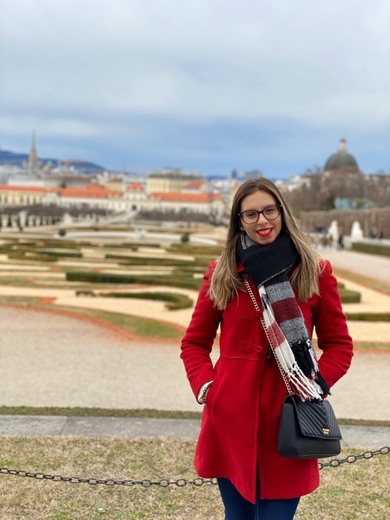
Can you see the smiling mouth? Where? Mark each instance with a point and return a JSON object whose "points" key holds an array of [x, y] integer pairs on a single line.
{"points": [[264, 233]]}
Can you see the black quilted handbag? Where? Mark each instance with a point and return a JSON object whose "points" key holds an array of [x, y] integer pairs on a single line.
{"points": [[308, 429]]}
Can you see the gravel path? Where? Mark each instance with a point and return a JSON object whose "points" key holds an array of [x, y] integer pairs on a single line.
{"points": [[54, 360]]}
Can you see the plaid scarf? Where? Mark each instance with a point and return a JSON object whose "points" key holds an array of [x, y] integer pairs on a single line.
{"points": [[268, 267]]}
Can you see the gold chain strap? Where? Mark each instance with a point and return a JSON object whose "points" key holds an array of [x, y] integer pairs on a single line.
{"points": [[256, 305]]}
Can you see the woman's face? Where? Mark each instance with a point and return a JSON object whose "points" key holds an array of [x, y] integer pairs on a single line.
{"points": [[261, 230]]}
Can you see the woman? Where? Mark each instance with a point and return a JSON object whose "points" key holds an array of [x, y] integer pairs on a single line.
{"points": [[244, 391]]}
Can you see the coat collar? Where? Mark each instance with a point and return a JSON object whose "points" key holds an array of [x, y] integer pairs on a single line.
{"points": [[240, 268]]}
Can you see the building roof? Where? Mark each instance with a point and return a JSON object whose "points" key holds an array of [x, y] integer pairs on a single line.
{"points": [[25, 189], [342, 160], [196, 184], [91, 191], [135, 186], [186, 197]]}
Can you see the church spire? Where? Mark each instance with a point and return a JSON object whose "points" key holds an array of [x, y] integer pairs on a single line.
{"points": [[32, 158]]}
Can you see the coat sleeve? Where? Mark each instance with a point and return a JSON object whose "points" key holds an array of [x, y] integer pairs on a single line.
{"points": [[332, 330], [198, 340]]}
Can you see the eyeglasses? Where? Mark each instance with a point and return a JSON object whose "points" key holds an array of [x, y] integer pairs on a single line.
{"points": [[251, 216]]}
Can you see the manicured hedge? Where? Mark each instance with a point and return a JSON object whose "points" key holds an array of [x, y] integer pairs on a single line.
{"points": [[368, 316], [348, 296], [61, 254], [31, 257], [136, 260], [374, 248], [212, 251], [55, 243], [132, 245], [174, 301], [28, 252], [186, 282]]}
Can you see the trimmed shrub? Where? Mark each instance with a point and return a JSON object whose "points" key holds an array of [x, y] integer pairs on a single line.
{"points": [[61, 254], [133, 246], [30, 257], [368, 316], [56, 243], [374, 248], [186, 282], [136, 260], [210, 251], [174, 301], [348, 296]]}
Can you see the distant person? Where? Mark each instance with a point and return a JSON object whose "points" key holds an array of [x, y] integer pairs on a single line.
{"points": [[243, 391], [326, 241]]}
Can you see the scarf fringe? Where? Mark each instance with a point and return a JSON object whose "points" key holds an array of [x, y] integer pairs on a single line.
{"points": [[303, 386]]}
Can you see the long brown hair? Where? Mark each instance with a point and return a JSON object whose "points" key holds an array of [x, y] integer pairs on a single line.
{"points": [[225, 281]]}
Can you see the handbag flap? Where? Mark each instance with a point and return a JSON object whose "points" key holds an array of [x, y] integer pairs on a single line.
{"points": [[316, 418]]}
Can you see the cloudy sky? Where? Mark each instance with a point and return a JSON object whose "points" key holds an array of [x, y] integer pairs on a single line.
{"points": [[206, 85]]}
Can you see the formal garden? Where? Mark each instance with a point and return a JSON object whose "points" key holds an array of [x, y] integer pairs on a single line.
{"points": [[40, 268]]}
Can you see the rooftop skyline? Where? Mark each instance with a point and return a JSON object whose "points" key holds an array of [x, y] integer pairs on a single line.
{"points": [[204, 86]]}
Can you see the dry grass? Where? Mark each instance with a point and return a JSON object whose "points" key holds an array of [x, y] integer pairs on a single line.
{"points": [[358, 490], [140, 413]]}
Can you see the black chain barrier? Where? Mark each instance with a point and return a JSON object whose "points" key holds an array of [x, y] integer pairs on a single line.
{"points": [[181, 482]]}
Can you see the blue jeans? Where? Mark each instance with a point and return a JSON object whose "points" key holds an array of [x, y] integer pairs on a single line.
{"points": [[237, 508]]}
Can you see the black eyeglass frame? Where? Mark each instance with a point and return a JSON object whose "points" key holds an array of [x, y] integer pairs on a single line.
{"points": [[278, 206]]}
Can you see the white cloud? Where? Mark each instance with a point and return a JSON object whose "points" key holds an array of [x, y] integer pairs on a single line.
{"points": [[99, 64]]}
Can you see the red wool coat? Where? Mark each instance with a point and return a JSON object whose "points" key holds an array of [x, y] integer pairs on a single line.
{"points": [[239, 431]]}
